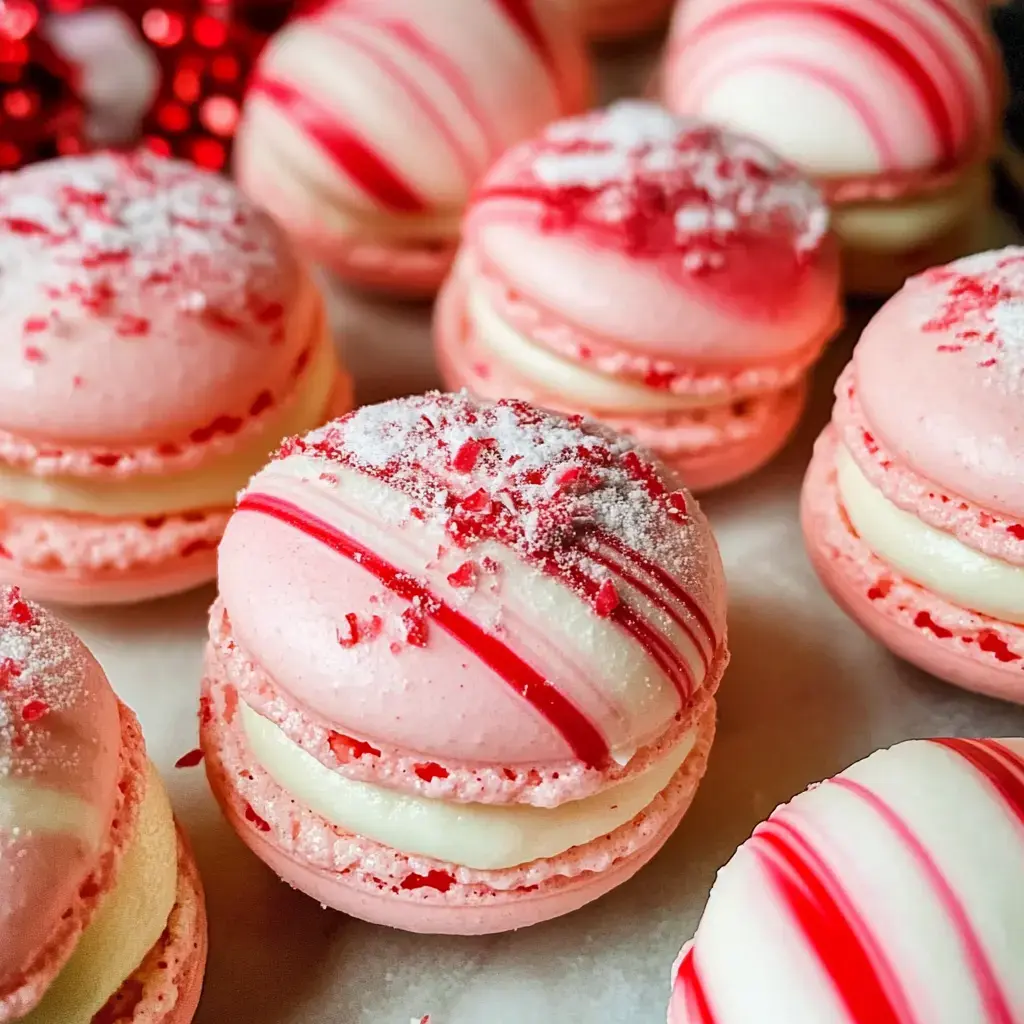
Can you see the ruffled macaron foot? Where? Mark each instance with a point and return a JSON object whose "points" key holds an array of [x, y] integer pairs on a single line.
{"points": [[528, 615], [960, 646]]}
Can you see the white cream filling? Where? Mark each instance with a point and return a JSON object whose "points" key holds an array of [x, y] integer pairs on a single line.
{"points": [[932, 558], [558, 376], [901, 224], [482, 836], [213, 484], [128, 923]]}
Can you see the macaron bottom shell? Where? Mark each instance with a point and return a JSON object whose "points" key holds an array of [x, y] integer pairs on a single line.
{"points": [[167, 985], [887, 240], [426, 897], [959, 646], [708, 447]]}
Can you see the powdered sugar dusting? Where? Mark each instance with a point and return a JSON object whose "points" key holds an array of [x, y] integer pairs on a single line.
{"points": [[982, 313], [40, 675], [88, 233], [550, 488], [657, 184]]}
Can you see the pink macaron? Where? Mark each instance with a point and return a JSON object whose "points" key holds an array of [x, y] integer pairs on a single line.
{"points": [[890, 894], [102, 916], [913, 506], [159, 339], [461, 674], [893, 107], [607, 20], [368, 122], [672, 280]]}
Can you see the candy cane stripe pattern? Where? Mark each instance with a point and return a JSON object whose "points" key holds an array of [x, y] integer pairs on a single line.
{"points": [[890, 894], [369, 121], [894, 105], [461, 674]]}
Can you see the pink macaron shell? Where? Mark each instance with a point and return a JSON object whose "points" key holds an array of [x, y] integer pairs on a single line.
{"points": [[997, 536], [53, 887], [708, 447], [287, 542], [952, 643], [167, 985], [939, 374], [618, 19], [145, 299], [680, 223], [370, 881]]}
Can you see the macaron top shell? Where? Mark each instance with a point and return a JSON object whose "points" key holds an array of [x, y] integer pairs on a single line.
{"points": [[843, 88], [59, 755], [477, 583], [939, 374], [670, 236], [140, 299]]}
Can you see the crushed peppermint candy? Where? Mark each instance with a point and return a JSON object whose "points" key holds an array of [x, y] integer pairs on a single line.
{"points": [[982, 313], [557, 491], [99, 234], [656, 184]]}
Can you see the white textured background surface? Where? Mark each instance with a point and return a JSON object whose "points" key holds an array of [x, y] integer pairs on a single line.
{"points": [[807, 693]]}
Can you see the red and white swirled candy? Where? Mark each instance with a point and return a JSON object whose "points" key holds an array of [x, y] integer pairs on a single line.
{"points": [[397, 108], [891, 894], [843, 88]]}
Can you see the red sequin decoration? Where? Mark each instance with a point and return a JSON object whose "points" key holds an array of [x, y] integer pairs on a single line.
{"points": [[41, 111]]}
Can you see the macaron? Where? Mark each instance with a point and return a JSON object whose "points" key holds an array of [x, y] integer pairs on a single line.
{"points": [[894, 108], [102, 916], [889, 894], [461, 672], [913, 505], [671, 279], [367, 123], [159, 339], [608, 20]]}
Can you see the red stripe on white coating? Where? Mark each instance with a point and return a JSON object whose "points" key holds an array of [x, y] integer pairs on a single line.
{"points": [[415, 93], [352, 155], [655, 598], [577, 730], [899, 55], [1003, 769], [832, 926], [997, 1007], [698, 1007], [443, 65], [664, 578], [523, 16]]}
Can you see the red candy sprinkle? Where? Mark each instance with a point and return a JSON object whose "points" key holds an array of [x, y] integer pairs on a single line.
{"points": [[250, 815], [607, 599], [189, 760], [348, 634], [1016, 530], [20, 612], [430, 771], [464, 576], [415, 623], [992, 643], [442, 881], [347, 748], [466, 456], [34, 354], [924, 621], [34, 710], [9, 671], [677, 503], [478, 501], [36, 324]]}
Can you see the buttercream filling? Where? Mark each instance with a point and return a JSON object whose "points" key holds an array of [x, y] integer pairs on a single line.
{"points": [[128, 923], [482, 836], [927, 556], [558, 376], [213, 484], [902, 223]]}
